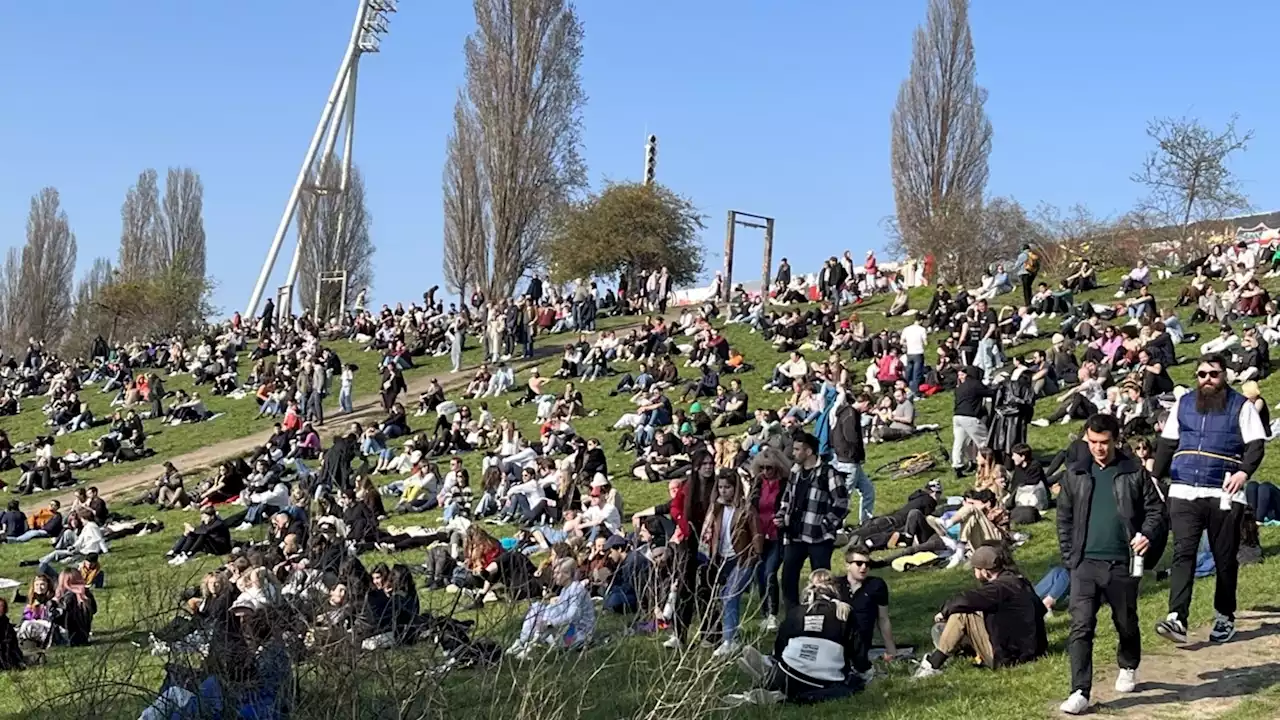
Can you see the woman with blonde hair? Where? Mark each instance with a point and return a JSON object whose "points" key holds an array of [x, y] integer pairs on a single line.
{"points": [[991, 475]]}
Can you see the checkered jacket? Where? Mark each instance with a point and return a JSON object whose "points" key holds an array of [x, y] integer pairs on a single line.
{"points": [[813, 504]]}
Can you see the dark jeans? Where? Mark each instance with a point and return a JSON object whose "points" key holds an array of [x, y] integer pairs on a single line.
{"points": [[915, 372], [1092, 582], [805, 694], [767, 576], [1264, 498], [1028, 280], [794, 555], [1189, 519]]}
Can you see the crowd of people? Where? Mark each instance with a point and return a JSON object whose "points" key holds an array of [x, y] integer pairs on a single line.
{"points": [[756, 491]]}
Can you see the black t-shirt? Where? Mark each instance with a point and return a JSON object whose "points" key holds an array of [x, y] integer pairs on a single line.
{"points": [[983, 323], [1031, 475], [866, 603]]}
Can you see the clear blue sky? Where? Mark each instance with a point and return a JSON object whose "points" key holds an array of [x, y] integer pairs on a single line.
{"points": [[777, 108]]}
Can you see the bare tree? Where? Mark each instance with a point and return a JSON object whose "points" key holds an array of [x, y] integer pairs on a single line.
{"points": [[48, 267], [524, 87], [466, 251], [139, 231], [181, 243], [941, 138], [334, 230], [11, 300], [1187, 175], [89, 316]]}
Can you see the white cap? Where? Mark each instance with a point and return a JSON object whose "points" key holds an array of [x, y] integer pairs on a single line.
{"points": [[599, 480]]}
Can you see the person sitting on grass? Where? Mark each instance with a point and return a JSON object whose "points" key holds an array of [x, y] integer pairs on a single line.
{"points": [[568, 620], [211, 536], [1001, 622], [82, 538], [868, 596], [11, 657], [813, 653], [74, 608]]}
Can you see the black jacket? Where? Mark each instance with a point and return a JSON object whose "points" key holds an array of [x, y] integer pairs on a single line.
{"points": [[846, 435], [969, 395], [1137, 501], [1013, 615]]}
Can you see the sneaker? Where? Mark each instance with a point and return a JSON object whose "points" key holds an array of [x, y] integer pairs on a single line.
{"points": [[726, 649], [754, 663], [1040, 422], [1127, 680], [1065, 420], [925, 670], [757, 696], [1075, 705], [769, 623], [1171, 628], [1224, 628], [673, 643], [244, 526]]}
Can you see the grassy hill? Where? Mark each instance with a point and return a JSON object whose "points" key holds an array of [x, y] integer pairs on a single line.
{"points": [[632, 676]]}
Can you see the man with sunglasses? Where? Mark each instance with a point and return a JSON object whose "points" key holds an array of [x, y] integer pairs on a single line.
{"points": [[868, 597], [1220, 441]]}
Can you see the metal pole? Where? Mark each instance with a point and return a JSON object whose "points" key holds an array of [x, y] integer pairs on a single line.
{"points": [[731, 226], [344, 181], [768, 258], [292, 204], [331, 141]]}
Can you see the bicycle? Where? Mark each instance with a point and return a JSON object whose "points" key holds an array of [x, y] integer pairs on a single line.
{"points": [[917, 463]]}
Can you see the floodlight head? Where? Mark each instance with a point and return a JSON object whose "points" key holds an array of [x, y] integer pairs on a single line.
{"points": [[386, 6]]}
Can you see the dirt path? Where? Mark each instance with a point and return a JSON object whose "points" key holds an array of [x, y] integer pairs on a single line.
{"points": [[1200, 680], [364, 410]]}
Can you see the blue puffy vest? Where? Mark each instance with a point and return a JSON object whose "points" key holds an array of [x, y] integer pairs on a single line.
{"points": [[1210, 445]]}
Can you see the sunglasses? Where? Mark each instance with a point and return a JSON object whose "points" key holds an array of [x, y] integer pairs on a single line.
{"points": [[859, 563], [1202, 374]]}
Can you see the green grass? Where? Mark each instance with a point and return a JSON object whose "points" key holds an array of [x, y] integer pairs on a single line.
{"points": [[626, 674]]}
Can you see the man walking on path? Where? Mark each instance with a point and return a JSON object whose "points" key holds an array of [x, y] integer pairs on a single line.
{"points": [[966, 417], [1107, 512], [1220, 442]]}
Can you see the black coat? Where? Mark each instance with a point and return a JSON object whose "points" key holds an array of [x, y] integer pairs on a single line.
{"points": [[1012, 411], [10, 651], [1138, 501], [1013, 615], [846, 435]]}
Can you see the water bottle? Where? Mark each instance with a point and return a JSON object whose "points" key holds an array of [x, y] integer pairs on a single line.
{"points": [[1136, 565], [1225, 503]]}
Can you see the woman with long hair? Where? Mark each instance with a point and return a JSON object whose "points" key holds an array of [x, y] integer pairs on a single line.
{"points": [[696, 499], [732, 536], [76, 607], [768, 477]]}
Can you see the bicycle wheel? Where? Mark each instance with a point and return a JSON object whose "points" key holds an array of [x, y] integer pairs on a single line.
{"points": [[914, 468], [894, 466]]}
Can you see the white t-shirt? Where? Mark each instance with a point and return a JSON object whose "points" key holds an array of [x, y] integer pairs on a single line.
{"points": [[1251, 430], [914, 337], [726, 532]]}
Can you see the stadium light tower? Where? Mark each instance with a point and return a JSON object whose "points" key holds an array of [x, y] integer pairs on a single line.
{"points": [[337, 117]]}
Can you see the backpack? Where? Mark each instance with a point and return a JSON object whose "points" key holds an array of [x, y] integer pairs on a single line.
{"points": [[1033, 262]]}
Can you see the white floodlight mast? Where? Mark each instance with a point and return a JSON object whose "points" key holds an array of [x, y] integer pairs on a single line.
{"points": [[369, 23]]}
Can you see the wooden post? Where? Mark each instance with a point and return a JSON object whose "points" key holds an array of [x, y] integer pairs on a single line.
{"points": [[768, 258], [728, 256]]}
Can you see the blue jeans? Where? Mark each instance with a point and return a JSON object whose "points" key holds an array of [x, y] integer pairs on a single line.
{"points": [[915, 372], [28, 536], [856, 479], [344, 399], [737, 581], [1054, 584]]}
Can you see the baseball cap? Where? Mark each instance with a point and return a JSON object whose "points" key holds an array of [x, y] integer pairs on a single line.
{"points": [[615, 542], [599, 480], [1058, 339], [934, 485], [985, 558]]}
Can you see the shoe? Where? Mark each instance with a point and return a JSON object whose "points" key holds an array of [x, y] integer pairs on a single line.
{"points": [[1040, 422], [1224, 628], [925, 670], [673, 643], [1075, 705], [1127, 680], [1171, 628], [726, 649], [956, 559], [1065, 420], [244, 526], [769, 623], [754, 663]]}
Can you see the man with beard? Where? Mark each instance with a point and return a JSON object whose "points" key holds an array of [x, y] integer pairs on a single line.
{"points": [[1220, 442]]}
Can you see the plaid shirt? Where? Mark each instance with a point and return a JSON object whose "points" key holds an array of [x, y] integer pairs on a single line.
{"points": [[813, 505]]}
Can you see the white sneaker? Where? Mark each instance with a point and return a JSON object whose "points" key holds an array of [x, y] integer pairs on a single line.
{"points": [[925, 670], [726, 649], [1127, 680], [1075, 705], [673, 643], [769, 624], [244, 526], [957, 558], [1040, 422], [1066, 419]]}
